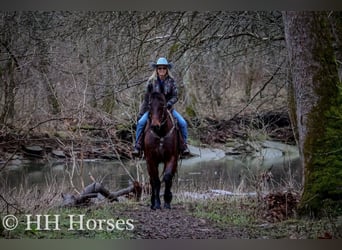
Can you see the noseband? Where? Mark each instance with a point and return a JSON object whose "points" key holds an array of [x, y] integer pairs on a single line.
{"points": [[163, 122]]}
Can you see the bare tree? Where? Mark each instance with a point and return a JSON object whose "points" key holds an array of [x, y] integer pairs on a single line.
{"points": [[9, 64], [91, 65]]}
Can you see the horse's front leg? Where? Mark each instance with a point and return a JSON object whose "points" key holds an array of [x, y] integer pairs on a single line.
{"points": [[152, 168], [168, 176], [155, 197]]}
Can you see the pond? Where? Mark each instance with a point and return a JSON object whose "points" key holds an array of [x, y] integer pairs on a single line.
{"points": [[274, 166]]}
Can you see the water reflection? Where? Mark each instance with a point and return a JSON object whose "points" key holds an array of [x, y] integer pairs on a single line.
{"points": [[234, 174], [43, 174], [228, 173]]}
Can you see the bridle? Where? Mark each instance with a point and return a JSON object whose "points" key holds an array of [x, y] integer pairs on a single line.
{"points": [[163, 122]]}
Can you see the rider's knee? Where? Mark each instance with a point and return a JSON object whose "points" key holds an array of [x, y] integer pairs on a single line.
{"points": [[182, 123]]}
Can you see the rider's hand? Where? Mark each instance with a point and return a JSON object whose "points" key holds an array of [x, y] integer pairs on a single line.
{"points": [[139, 117], [169, 105]]}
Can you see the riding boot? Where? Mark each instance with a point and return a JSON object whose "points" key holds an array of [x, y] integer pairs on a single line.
{"points": [[136, 151], [185, 150], [138, 146], [182, 145]]}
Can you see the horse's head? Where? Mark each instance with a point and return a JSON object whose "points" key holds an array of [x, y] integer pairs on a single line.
{"points": [[157, 110]]}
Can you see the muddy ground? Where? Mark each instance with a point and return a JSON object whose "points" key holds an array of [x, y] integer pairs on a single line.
{"points": [[244, 218], [176, 223]]}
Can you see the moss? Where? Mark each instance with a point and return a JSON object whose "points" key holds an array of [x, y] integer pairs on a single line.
{"points": [[190, 109], [62, 134], [323, 144], [173, 49], [108, 104], [190, 112], [323, 154], [323, 175]]}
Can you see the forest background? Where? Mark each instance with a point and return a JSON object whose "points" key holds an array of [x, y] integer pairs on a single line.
{"points": [[62, 68], [64, 73]]}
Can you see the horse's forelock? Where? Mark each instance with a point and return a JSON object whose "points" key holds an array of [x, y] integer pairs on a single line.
{"points": [[157, 95]]}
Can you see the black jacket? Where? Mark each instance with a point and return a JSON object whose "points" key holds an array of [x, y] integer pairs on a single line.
{"points": [[168, 88]]}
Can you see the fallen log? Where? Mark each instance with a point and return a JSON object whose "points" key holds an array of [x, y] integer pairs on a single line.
{"points": [[94, 189]]}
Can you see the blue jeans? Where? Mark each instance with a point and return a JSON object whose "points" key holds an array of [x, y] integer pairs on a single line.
{"points": [[181, 122]]}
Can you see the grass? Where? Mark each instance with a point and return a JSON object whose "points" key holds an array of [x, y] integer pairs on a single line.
{"points": [[99, 221], [245, 214]]}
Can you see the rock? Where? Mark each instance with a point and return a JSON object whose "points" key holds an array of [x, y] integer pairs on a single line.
{"points": [[271, 153], [232, 151], [58, 153], [33, 151]]}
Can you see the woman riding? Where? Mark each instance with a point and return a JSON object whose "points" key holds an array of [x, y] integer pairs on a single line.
{"points": [[162, 81]]}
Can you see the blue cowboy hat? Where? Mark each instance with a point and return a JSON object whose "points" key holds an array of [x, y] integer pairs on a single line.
{"points": [[162, 61]]}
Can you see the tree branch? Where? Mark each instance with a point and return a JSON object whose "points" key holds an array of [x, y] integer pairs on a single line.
{"points": [[259, 91]]}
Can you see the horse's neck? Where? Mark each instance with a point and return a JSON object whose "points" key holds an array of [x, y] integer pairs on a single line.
{"points": [[167, 124]]}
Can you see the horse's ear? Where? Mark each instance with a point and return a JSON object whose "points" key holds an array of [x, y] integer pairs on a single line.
{"points": [[149, 88]]}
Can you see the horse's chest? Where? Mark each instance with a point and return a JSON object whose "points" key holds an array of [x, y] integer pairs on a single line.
{"points": [[161, 143], [160, 148]]}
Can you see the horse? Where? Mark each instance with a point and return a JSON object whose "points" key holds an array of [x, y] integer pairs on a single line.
{"points": [[160, 146]]}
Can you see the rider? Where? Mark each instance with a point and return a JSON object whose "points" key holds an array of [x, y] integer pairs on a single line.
{"points": [[162, 81]]}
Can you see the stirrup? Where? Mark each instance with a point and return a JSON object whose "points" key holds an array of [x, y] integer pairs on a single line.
{"points": [[185, 150]]}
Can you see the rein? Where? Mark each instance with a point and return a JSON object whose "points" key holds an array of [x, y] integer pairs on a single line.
{"points": [[170, 131]]}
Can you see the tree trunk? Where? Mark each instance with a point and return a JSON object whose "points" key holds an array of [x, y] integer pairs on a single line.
{"points": [[336, 23], [8, 85], [50, 87], [318, 102], [8, 111]]}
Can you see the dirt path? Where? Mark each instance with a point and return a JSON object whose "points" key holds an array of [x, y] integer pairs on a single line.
{"points": [[176, 223]]}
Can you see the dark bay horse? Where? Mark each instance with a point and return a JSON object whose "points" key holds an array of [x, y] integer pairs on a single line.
{"points": [[161, 146]]}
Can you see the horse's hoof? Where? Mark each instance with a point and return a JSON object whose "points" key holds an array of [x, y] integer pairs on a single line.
{"points": [[155, 207], [167, 206]]}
